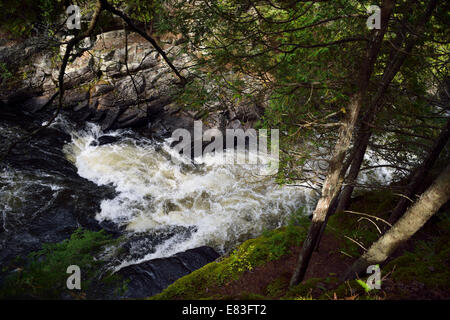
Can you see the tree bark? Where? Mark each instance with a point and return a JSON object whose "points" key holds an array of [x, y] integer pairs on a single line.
{"points": [[420, 174], [365, 132], [361, 143], [335, 201], [430, 202], [333, 181]]}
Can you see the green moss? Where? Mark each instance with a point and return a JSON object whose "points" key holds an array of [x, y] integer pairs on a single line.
{"points": [[429, 261], [349, 289], [303, 289], [43, 273], [310, 288], [251, 296], [277, 287], [356, 226], [429, 264], [272, 245]]}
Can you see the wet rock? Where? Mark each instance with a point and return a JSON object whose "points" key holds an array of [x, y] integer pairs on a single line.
{"points": [[13, 245], [14, 55], [35, 104], [55, 224], [111, 68], [19, 95], [107, 100], [81, 105], [111, 115], [164, 126], [78, 77], [93, 103], [52, 199], [112, 227], [101, 89], [98, 115], [151, 277], [74, 97], [156, 107], [84, 116], [118, 99], [129, 114], [134, 116], [104, 140], [130, 88]]}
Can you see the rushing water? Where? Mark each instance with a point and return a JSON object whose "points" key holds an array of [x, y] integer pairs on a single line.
{"points": [[214, 204], [163, 203]]}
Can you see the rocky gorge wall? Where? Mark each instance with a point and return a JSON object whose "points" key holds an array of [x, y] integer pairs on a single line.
{"points": [[43, 199], [115, 86]]}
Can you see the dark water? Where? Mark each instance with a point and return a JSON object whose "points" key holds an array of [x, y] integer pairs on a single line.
{"points": [[44, 200], [159, 208]]}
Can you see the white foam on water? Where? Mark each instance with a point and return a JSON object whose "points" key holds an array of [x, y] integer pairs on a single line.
{"points": [[16, 187], [157, 188]]}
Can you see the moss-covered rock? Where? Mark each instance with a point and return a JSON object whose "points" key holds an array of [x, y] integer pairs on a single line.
{"points": [[426, 267], [272, 245]]}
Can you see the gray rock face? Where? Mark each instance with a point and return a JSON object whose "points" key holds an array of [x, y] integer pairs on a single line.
{"points": [[117, 87], [35, 104], [149, 278]]}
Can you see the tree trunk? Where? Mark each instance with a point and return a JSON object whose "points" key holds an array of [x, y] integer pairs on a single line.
{"points": [[333, 181], [365, 132], [335, 201], [420, 174], [331, 210], [430, 202], [362, 141]]}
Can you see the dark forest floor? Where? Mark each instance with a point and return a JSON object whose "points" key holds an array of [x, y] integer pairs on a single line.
{"points": [[259, 269]]}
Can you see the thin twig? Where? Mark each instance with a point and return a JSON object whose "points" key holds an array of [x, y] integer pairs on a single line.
{"points": [[368, 215]]}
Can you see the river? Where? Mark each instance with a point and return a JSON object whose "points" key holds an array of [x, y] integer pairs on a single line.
{"points": [[163, 206]]}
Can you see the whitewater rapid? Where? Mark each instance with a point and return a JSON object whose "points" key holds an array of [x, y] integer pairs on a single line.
{"points": [[158, 191], [163, 203]]}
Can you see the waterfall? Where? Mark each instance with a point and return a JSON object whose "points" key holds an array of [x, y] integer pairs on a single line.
{"points": [[220, 204]]}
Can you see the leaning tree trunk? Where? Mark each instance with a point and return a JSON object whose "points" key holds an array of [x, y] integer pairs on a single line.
{"points": [[330, 189], [419, 175], [362, 141], [335, 201], [430, 202], [333, 181], [365, 132]]}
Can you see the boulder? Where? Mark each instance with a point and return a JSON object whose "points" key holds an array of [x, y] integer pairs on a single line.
{"points": [[151, 277], [104, 140], [134, 116], [111, 115], [35, 104]]}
